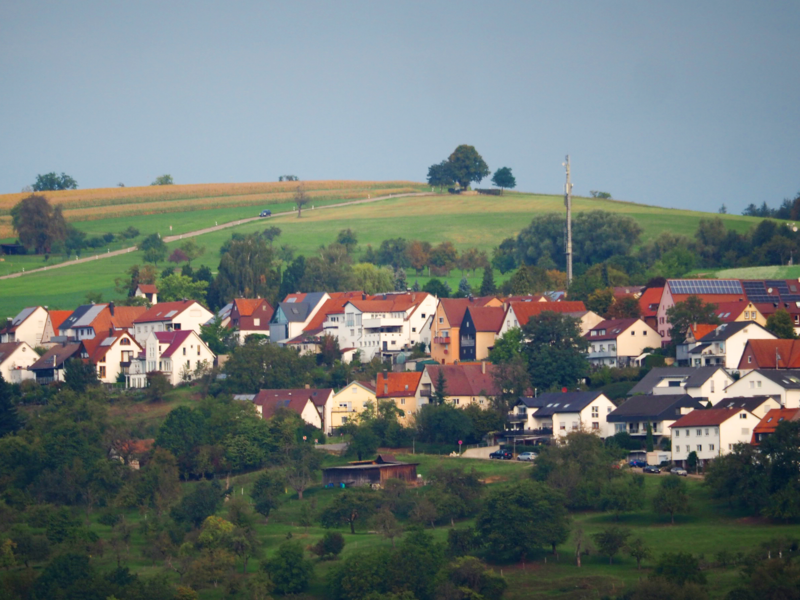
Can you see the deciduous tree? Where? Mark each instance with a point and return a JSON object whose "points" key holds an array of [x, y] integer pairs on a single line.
{"points": [[466, 165], [50, 182], [503, 178], [555, 350], [39, 225], [611, 540]]}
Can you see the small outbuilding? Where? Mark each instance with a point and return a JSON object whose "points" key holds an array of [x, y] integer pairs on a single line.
{"points": [[370, 472]]}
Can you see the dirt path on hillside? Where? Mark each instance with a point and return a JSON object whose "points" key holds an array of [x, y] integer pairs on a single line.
{"points": [[172, 238]]}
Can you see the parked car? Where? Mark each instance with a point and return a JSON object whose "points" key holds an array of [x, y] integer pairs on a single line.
{"points": [[529, 456], [265, 213], [502, 455], [651, 469], [637, 463], [678, 471]]}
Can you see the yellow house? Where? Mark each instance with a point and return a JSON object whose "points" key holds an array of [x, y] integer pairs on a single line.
{"points": [[351, 401], [404, 390], [743, 310], [445, 347]]}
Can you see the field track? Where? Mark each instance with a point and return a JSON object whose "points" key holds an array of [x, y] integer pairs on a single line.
{"points": [[172, 238]]}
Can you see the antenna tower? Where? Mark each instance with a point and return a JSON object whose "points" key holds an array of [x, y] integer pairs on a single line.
{"points": [[568, 204]]}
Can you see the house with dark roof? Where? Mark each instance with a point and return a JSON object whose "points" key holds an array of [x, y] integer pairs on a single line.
{"points": [[709, 383], [767, 426], [555, 415], [725, 345], [313, 405], [658, 411], [293, 314], [479, 329], [182, 315], [464, 383], [446, 326], [15, 358], [710, 433], [373, 473], [758, 405], [620, 342], [179, 355], [50, 367], [29, 326], [783, 385]]}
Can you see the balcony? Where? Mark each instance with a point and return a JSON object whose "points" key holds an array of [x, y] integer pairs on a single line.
{"points": [[442, 340], [383, 322], [514, 417], [425, 393]]}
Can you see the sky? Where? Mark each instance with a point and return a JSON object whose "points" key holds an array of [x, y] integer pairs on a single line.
{"points": [[686, 104]]}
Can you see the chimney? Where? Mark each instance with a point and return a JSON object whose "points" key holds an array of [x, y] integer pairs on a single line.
{"points": [[111, 308], [363, 296]]}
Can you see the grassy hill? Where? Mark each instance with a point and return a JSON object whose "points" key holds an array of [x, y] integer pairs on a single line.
{"points": [[481, 221]]}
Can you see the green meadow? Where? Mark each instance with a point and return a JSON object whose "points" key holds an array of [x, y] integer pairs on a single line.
{"points": [[466, 221]]}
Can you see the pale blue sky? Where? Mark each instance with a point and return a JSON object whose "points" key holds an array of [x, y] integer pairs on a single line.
{"points": [[685, 104]]}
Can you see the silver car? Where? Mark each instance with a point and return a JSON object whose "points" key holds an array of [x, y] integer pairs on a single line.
{"points": [[678, 471], [529, 456]]}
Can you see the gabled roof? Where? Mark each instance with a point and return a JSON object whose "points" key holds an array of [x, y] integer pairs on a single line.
{"points": [[629, 290], [401, 302], [295, 312], [656, 407], [367, 385], [308, 336], [699, 377], [566, 402], [7, 349], [749, 404], [84, 316], [611, 329], [487, 318], [333, 306], [765, 352], [788, 379], [57, 318], [395, 385], [709, 416], [455, 308], [650, 300], [174, 338], [98, 347], [18, 320], [56, 356], [727, 330], [165, 311], [525, 310], [293, 399], [695, 376], [147, 288], [728, 312], [701, 329], [246, 306], [464, 379]]}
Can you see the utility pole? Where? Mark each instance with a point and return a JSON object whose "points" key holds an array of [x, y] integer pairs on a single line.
{"points": [[568, 204]]}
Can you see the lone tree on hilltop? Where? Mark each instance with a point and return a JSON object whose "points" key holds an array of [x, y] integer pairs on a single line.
{"points": [[503, 178], [163, 180], [301, 199], [50, 182], [466, 166]]}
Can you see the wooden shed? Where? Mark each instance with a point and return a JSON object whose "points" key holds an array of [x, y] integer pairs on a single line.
{"points": [[369, 473]]}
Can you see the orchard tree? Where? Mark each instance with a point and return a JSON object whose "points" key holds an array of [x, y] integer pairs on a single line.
{"points": [[154, 248], [301, 199], [50, 182], [503, 178], [611, 540], [671, 497], [466, 166], [38, 224]]}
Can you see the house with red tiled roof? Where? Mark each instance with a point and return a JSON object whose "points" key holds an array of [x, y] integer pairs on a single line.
{"points": [[183, 315], [740, 310], [446, 326], [93, 321], [620, 342], [179, 355], [112, 355], [464, 383], [311, 404], [479, 329], [148, 291], [767, 426], [770, 354], [404, 390], [519, 313], [251, 317], [648, 305], [710, 433], [385, 324]]}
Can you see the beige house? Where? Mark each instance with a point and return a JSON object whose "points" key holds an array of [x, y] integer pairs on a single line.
{"points": [[28, 326], [618, 342], [404, 390], [15, 358], [112, 355], [351, 401], [465, 383], [711, 433]]}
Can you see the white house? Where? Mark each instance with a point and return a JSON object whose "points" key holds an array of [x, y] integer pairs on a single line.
{"points": [[725, 345], [313, 405], [520, 312], [293, 314], [711, 433], [658, 411], [554, 415], [617, 342], [782, 385], [184, 315], [15, 358], [28, 326], [699, 382], [178, 355], [147, 291]]}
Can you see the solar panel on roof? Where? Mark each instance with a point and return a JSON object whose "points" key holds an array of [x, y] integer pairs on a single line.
{"points": [[706, 286], [171, 313]]}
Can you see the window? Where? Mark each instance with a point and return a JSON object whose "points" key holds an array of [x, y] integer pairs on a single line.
{"points": [[441, 319], [184, 350], [619, 427], [102, 372], [423, 315], [712, 386], [198, 349], [633, 333], [749, 359], [711, 447], [414, 329], [677, 433], [608, 409], [644, 332], [595, 426], [730, 446], [257, 322], [706, 430], [562, 426], [742, 415], [124, 342], [699, 432], [595, 411], [699, 447], [677, 448], [752, 384], [574, 426], [402, 401], [758, 384]]}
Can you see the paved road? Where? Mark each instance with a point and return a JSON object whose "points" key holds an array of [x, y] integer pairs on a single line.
{"points": [[172, 238]]}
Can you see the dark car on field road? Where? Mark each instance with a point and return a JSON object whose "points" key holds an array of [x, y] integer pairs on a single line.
{"points": [[502, 455], [265, 213]]}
